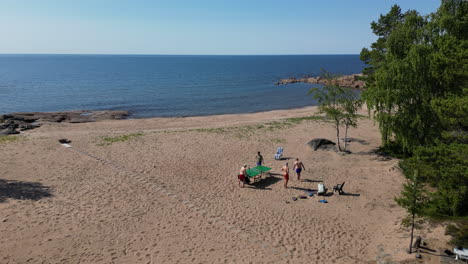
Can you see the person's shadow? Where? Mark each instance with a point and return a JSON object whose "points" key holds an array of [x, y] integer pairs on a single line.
{"points": [[22, 190]]}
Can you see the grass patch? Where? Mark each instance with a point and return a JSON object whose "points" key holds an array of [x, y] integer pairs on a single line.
{"points": [[278, 140], [122, 138], [8, 138], [245, 132], [211, 130], [363, 116], [298, 120]]}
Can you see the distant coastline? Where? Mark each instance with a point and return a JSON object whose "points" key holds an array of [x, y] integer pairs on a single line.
{"points": [[349, 81]]}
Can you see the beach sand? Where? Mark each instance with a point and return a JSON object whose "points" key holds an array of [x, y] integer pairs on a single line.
{"points": [[169, 194]]}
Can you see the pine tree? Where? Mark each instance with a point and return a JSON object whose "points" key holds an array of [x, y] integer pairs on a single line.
{"points": [[413, 198]]}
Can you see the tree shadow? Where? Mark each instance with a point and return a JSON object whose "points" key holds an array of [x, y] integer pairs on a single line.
{"points": [[360, 141], [428, 249], [22, 190], [377, 153], [438, 254]]}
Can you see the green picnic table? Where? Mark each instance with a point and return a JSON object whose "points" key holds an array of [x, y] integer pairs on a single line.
{"points": [[257, 172]]}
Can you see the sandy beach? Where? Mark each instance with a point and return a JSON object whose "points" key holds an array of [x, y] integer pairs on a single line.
{"points": [[164, 190]]}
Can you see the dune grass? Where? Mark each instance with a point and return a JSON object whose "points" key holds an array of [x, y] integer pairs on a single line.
{"points": [[244, 132], [278, 140], [8, 138], [121, 138]]}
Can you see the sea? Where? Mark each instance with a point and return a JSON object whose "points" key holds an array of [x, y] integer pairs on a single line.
{"points": [[162, 85]]}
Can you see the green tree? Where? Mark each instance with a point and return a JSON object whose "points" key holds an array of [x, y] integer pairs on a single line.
{"points": [[339, 104], [417, 90], [459, 234], [351, 103], [445, 168], [413, 199], [415, 60]]}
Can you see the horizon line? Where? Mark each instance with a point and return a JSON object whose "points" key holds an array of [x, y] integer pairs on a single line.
{"points": [[142, 54]]}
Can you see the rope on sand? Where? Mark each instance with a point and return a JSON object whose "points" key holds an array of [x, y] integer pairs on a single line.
{"points": [[162, 188]]}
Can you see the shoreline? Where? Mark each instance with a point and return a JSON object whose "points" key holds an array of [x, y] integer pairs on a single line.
{"points": [[21, 121], [120, 114]]}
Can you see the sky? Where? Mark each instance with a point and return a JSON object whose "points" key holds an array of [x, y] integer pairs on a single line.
{"points": [[199, 27]]}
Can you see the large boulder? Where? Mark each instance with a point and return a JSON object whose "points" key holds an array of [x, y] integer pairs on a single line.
{"points": [[322, 143], [8, 131]]}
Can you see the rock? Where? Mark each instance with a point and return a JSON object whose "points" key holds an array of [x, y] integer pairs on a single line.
{"points": [[10, 123], [351, 81], [8, 131], [322, 143]]}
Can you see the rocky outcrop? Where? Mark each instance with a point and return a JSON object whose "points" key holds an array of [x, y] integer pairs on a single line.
{"points": [[351, 81], [15, 122], [321, 143]]}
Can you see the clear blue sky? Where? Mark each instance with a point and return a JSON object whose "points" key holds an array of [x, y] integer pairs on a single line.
{"points": [[193, 26]]}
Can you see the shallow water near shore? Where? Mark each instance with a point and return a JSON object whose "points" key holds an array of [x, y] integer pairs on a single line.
{"points": [[161, 85]]}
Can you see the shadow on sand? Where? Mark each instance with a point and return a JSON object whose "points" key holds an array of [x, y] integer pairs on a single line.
{"points": [[285, 158], [264, 183], [23, 190], [376, 153], [350, 194], [309, 180], [302, 189]]}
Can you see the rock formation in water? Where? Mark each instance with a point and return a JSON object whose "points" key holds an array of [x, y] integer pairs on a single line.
{"points": [[15, 122], [351, 81]]}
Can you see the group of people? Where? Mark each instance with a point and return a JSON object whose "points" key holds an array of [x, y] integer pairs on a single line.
{"points": [[297, 167]]}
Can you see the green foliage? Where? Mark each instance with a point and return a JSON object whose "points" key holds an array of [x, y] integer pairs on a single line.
{"points": [[298, 120], [122, 138], [382, 28], [245, 132], [8, 138], [413, 197], [339, 104], [415, 60], [459, 233], [444, 167], [417, 89], [278, 140], [452, 111]]}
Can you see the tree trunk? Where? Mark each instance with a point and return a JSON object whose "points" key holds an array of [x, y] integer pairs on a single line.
{"points": [[346, 137], [338, 135], [411, 241]]}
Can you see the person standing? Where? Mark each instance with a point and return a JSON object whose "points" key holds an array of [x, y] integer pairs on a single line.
{"points": [[285, 170], [259, 159], [298, 166], [242, 176]]}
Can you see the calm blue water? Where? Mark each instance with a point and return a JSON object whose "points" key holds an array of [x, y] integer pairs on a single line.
{"points": [[154, 86]]}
